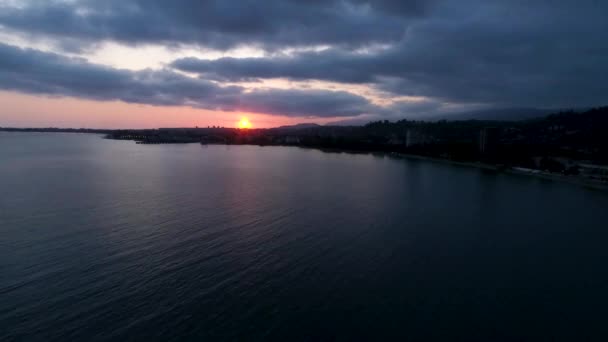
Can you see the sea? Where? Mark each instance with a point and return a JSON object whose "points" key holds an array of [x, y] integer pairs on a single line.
{"points": [[106, 240]]}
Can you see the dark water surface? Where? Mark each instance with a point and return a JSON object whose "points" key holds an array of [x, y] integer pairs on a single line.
{"points": [[106, 240]]}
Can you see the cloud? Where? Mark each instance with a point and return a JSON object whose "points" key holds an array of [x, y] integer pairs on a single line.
{"points": [[328, 65], [35, 72], [455, 54], [512, 53], [219, 24], [306, 102]]}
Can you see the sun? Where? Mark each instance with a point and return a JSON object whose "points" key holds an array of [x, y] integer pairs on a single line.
{"points": [[244, 123]]}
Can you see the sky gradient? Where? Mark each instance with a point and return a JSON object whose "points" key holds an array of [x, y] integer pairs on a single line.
{"points": [[155, 63]]}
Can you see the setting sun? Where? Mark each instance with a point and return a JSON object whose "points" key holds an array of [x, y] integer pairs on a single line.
{"points": [[244, 123]]}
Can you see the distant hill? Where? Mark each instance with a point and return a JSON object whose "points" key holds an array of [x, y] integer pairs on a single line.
{"points": [[500, 114], [299, 126], [353, 122]]}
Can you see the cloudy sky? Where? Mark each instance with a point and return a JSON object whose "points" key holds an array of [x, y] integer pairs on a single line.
{"points": [[158, 63]]}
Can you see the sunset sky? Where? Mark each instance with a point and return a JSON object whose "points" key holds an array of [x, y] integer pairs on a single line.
{"points": [[157, 63]]}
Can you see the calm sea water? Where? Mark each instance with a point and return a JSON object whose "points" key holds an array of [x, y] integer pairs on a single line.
{"points": [[106, 240]]}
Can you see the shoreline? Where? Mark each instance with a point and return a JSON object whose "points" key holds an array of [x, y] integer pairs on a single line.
{"points": [[575, 180], [583, 182]]}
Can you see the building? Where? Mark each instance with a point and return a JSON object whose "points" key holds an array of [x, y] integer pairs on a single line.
{"points": [[395, 140], [291, 139], [415, 137], [598, 172], [488, 140]]}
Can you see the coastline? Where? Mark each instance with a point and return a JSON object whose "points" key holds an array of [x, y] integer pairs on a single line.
{"points": [[583, 182], [575, 180]]}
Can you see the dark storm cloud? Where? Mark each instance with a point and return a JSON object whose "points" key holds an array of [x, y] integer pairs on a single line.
{"points": [[327, 65], [291, 102], [399, 8], [547, 54], [216, 23], [36, 72]]}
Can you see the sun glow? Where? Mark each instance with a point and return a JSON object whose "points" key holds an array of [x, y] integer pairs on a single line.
{"points": [[244, 123]]}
